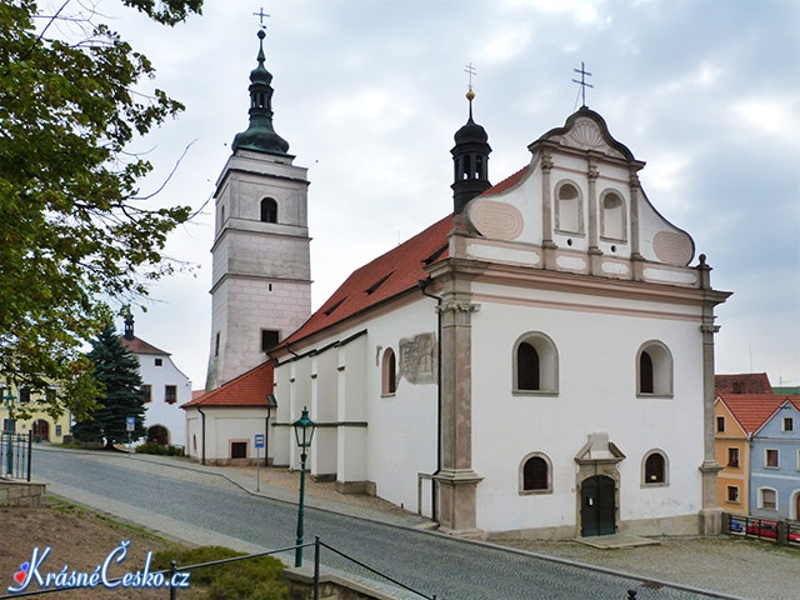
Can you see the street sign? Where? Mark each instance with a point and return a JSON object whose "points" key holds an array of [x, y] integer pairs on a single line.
{"points": [[259, 440], [130, 423]]}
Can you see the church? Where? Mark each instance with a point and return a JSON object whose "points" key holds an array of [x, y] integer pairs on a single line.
{"points": [[537, 363]]}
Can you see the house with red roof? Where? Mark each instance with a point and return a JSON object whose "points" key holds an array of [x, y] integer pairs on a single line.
{"points": [[164, 388], [222, 424], [537, 362], [743, 383], [758, 445]]}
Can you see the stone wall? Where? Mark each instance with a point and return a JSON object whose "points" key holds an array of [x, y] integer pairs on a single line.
{"points": [[331, 587], [21, 493]]}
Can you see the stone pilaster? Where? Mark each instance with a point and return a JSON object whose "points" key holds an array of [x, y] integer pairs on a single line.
{"points": [[456, 480], [548, 245], [710, 514], [594, 246]]}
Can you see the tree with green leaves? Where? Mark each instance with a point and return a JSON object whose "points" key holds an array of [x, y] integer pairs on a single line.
{"points": [[76, 236], [116, 371]]}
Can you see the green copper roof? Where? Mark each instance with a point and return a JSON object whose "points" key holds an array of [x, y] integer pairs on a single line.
{"points": [[260, 135]]}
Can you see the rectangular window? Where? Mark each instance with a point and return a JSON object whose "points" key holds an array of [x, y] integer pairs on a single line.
{"points": [[733, 494], [24, 396], [733, 457], [147, 393], [772, 458], [170, 394], [159, 362], [720, 424], [9, 425], [788, 424], [769, 499], [269, 339], [238, 449], [216, 344]]}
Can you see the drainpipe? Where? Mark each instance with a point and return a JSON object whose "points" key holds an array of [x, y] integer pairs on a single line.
{"points": [[203, 435], [423, 284]]}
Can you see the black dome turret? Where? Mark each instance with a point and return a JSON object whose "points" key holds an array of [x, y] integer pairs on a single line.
{"points": [[470, 161]]}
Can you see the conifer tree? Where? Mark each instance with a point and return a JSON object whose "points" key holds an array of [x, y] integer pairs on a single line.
{"points": [[116, 371]]}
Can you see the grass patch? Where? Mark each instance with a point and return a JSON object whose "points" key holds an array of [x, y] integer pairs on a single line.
{"points": [[257, 578]]}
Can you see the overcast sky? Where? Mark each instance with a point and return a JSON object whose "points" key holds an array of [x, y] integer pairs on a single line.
{"points": [[370, 92]]}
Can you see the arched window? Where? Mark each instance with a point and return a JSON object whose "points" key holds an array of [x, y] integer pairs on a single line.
{"points": [[388, 373], [269, 211], [645, 373], [535, 364], [535, 474], [527, 367], [654, 468], [612, 217], [569, 208], [654, 370]]}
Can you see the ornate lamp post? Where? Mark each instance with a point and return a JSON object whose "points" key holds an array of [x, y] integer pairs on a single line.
{"points": [[303, 433], [9, 398]]}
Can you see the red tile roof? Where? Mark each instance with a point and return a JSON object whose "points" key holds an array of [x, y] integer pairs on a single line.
{"points": [[743, 383], [753, 410], [384, 278], [507, 183], [391, 274], [249, 389], [138, 346]]}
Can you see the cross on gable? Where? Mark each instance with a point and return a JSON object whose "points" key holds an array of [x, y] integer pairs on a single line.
{"points": [[261, 14], [583, 73]]}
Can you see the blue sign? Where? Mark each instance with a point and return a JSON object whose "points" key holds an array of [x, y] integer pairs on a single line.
{"points": [[259, 440], [130, 423]]}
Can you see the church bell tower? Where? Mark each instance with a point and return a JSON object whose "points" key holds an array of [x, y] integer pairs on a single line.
{"points": [[261, 279]]}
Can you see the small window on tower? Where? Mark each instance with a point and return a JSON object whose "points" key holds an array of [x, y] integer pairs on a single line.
{"points": [[269, 339], [216, 345], [269, 211], [159, 362]]}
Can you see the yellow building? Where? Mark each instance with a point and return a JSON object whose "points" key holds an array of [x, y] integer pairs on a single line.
{"points": [[44, 427], [732, 449]]}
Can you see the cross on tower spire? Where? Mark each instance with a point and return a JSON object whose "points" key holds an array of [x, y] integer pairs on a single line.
{"points": [[472, 72], [261, 14], [583, 73]]}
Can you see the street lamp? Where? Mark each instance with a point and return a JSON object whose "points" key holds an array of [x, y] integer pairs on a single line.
{"points": [[303, 433], [9, 398]]}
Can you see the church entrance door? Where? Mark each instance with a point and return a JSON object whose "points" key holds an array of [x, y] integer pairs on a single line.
{"points": [[598, 506]]}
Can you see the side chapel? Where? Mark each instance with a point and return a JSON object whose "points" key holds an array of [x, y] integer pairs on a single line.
{"points": [[538, 362]]}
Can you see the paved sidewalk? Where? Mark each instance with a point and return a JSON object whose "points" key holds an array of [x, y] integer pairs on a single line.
{"points": [[734, 567]]}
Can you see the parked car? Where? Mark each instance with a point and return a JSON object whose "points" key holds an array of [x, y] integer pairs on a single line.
{"points": [[768, 529], [737, 526]]}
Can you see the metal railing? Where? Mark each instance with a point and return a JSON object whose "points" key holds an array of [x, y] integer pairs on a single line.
{"points": [[15, 455], [779, 531], [171, 575]]}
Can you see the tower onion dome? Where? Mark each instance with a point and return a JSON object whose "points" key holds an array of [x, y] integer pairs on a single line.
{"points": [[260, 135], [470, 161], [471, 132]]}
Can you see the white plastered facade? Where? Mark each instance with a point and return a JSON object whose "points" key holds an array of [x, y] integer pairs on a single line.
{"points": [[601, 284]]}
